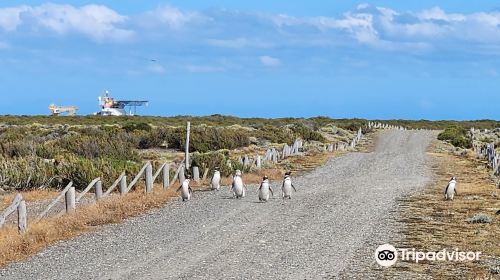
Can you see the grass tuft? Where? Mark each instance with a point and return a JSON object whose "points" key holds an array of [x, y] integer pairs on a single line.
{"points": [[480, 219]]}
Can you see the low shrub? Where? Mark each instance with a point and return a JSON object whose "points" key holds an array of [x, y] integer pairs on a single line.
{"points": [[211, 160], [480, 219], [204, 139], [456, 136]]}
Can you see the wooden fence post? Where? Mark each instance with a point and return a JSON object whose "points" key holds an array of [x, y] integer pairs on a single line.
{"points": [[196, 173], [205, 174], [98, 190], [187, 145], [166, 176], [123, 185], [70, 200], [149, 178], [182, 176], [22, 217], [258, 162]]}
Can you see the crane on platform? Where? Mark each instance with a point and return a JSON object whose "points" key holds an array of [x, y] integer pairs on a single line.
{"points": [[112, 107]]}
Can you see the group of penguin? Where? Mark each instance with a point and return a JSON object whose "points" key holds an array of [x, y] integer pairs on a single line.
{"points": [[265, 190], [239, 188]]}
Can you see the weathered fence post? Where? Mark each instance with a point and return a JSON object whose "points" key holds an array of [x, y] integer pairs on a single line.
{"points": [[98, 190], [22, 217], [187, 145], [196, 173], [149, 178], [205, 174], [70, 200], [258, 163], [166, 176], [123, 185], [182, 176]]}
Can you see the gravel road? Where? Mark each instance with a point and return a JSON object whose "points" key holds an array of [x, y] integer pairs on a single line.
{"points": [[317, 234]]}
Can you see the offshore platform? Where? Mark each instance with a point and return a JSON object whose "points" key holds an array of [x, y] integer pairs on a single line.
{"points": [[112, 107]]}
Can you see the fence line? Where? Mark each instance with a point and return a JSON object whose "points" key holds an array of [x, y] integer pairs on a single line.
{"points": [[71, 200], [488, 152]]}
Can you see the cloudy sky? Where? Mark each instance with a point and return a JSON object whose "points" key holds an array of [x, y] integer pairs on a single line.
{"points": [[383, 59]]}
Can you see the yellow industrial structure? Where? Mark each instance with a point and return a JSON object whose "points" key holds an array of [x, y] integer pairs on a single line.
{"points": [[58, 110]]}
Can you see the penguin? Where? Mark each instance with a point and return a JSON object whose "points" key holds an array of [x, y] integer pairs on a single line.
{"points": [[186, 191], [450, 191], [238, 187], [264, 190], [286, 188], [215, 182]]}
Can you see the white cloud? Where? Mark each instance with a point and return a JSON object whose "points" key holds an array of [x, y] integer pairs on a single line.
{"points": [[157, 69], [377, 27], [95, 21], [269, 61], [437, 13], [10, 18], [172, 17], [240, 43], [203, 68]]}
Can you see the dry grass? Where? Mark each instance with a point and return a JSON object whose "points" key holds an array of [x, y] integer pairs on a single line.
{"points": [[28, 196], [431, 223], [14, 247]]}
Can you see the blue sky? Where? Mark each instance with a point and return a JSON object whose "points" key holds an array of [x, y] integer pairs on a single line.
{"points": [[383, 59]]}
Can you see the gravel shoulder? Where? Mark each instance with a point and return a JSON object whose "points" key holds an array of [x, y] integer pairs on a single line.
{"points": [[317, 234]]}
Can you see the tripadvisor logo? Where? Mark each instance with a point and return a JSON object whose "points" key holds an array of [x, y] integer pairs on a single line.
{"points": [[387, 255]]}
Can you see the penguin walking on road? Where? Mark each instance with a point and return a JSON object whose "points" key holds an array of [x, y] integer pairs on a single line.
{"points": [[238, 187], [450, 191], [286, 188], [215, 182], [265, 189], [186, 191]]}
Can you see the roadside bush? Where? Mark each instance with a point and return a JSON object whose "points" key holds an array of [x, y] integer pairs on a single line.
{"points": [[211, 160], [129, 127], [103, 146], [276, 134], [28, 173], [456, 136], [82, 171], [307, 133], [204, 139]]}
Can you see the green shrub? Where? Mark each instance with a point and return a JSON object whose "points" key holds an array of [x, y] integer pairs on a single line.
{"points": [[129, 127], [276, 134], [28, 173], [456, 136], [306, 133], [104, 146], [211, 160], [82, 171], [204, 139]]}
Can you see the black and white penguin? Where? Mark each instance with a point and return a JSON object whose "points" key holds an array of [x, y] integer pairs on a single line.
{"points": [[450, 191], [186, 191], [265, 189], [238, 187], [286, 188], [215, 182]]}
